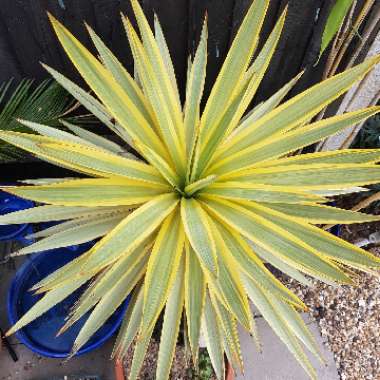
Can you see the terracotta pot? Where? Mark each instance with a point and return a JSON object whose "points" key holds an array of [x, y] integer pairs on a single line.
{"points": [[230, 374], [119, 370]]}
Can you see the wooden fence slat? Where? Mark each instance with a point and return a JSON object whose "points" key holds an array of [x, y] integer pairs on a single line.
{"points": [[240, 10], [314, 73], [14, 171], [74, 14], [21, 35], [52, 53], [10, 66], [287, 60]]}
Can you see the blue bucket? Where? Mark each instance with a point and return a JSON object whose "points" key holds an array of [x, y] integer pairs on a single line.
{"points": [[40, 335], [10, 203]]}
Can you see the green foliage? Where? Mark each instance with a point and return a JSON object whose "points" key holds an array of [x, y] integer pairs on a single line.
{"points": [[45, 104], [334, 22], [204, 370], [369, 134], [205, 366], [369, 138]]}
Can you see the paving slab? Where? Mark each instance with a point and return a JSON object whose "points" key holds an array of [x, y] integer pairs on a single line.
{"points": [[34, 367], [275, 362]]}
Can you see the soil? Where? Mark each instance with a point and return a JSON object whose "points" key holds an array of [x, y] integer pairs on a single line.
{"points": [[181, 368]]}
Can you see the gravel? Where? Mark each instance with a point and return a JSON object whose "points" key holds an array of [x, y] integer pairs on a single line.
{"points": [[349, 317]]}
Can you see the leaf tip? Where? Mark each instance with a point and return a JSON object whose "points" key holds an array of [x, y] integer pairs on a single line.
{"points": [[52, 19], [88, 27], [11, 331]]}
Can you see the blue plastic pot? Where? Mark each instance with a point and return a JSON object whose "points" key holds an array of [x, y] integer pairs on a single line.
{"points": [[40, 335], [336, 230], [10, 203]]}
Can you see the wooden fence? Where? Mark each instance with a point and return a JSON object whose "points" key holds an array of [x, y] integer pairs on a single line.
{"points": [[26, 38]]}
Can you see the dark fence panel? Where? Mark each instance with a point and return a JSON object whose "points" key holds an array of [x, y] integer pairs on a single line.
{"points": [[26, 37]]}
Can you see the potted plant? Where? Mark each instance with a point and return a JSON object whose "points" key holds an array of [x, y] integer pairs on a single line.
{"points": [[188, 227], [37, 336]]}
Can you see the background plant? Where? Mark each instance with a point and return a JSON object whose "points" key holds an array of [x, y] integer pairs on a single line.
{"points": [[349, 29], [188, 229], [47, 103]]}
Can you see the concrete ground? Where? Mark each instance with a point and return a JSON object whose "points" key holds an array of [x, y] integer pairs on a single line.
{"points": [[275, 362], [93, 366]]}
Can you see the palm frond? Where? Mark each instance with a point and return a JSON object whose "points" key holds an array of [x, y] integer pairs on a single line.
{"points": [[45, 103]]}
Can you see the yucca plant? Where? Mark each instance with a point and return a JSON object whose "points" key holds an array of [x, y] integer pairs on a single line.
{"points": [[190, 228]]}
